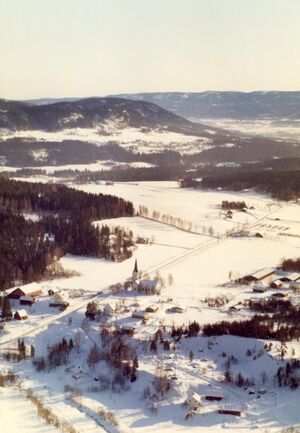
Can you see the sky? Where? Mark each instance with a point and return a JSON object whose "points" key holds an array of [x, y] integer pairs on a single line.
{"points": [[60, 48]]}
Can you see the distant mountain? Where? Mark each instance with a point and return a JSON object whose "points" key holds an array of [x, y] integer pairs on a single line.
{"points": [[90, 113], [231, 105]]}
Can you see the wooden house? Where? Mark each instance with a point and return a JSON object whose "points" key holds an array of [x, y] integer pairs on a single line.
{"points": [[59, 304], [235, 412], [31, 289], [214, 396], [21, 315], [27, 300]]}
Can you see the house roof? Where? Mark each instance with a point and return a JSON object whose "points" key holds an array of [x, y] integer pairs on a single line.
{"points": [[262, 273], [26, 298], [21, 313], [150, 284], [293, 276], [28, 288]]}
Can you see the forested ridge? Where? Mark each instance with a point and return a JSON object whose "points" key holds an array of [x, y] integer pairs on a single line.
{"points": [[62, 223]]}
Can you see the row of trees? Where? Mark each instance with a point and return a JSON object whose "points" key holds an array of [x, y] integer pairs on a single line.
{"points": [[64, 226]]}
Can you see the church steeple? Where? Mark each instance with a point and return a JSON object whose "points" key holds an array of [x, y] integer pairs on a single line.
{"points": [[135, 271]]}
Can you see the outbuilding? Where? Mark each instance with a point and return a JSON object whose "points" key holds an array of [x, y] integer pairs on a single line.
{"points": [[260, 275], [140, 315], [27, 300], [21, 315], [32, 289]]}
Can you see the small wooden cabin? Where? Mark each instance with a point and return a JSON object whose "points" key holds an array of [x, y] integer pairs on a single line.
{"points": [[152, 308], [21, 315], [59, 304], [27, 300], [235, 412]]}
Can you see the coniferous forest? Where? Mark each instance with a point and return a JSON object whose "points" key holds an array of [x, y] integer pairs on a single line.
{"points": [[39, 223]]}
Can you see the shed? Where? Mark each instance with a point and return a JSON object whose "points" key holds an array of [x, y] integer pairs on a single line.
{"points": [[31, 289], [60, 304], [27, 300], [259, 287], [276, 284], [152, 308], [236, 307], [177, 309], [140, 315], [52, 291], [235, 412], [20, 315], [214, 396]]}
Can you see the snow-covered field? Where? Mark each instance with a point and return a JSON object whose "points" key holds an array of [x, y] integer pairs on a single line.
{"points": [[200, 265], [135, 139], [200, 208]]}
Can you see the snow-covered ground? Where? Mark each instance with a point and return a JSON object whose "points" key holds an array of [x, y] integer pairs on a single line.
{"points": [[200, 266], [135, 139], [284, 129], [200, 208]]}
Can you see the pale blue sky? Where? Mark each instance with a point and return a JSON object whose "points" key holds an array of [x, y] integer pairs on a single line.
{"points": [[97, 47]]}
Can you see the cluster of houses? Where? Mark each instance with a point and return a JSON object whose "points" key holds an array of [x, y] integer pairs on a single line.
{"points": [[27, 296], [195, 403], [267, 279]]}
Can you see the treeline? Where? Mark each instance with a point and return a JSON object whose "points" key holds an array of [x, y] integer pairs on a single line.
{"points": [[64, 225], [236, 205], [283, 185], [292, 265], [20, 152], [283, 326]]}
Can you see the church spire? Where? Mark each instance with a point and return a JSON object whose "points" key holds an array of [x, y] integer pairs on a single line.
{"points": [[135, 267]]}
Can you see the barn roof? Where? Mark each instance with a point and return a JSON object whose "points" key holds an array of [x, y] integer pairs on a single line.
{"points": [[28, 288], [262, 273], [26, 298]]}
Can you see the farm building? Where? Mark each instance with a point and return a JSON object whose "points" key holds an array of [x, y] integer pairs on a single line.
{"points": [[31, 289], [276, 284], [236, 307], [127, 330], [260, 275], [194, 402], [259, 287], [59, 304], [20, 315], [214, 396], [279, 295], [140, 315], [290, 276], [52, 291], [177, 309], [152, 308], [27, 300], [231, 411]]}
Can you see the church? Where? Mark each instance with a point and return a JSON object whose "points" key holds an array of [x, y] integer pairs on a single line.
{"points": [[144, 286]]}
